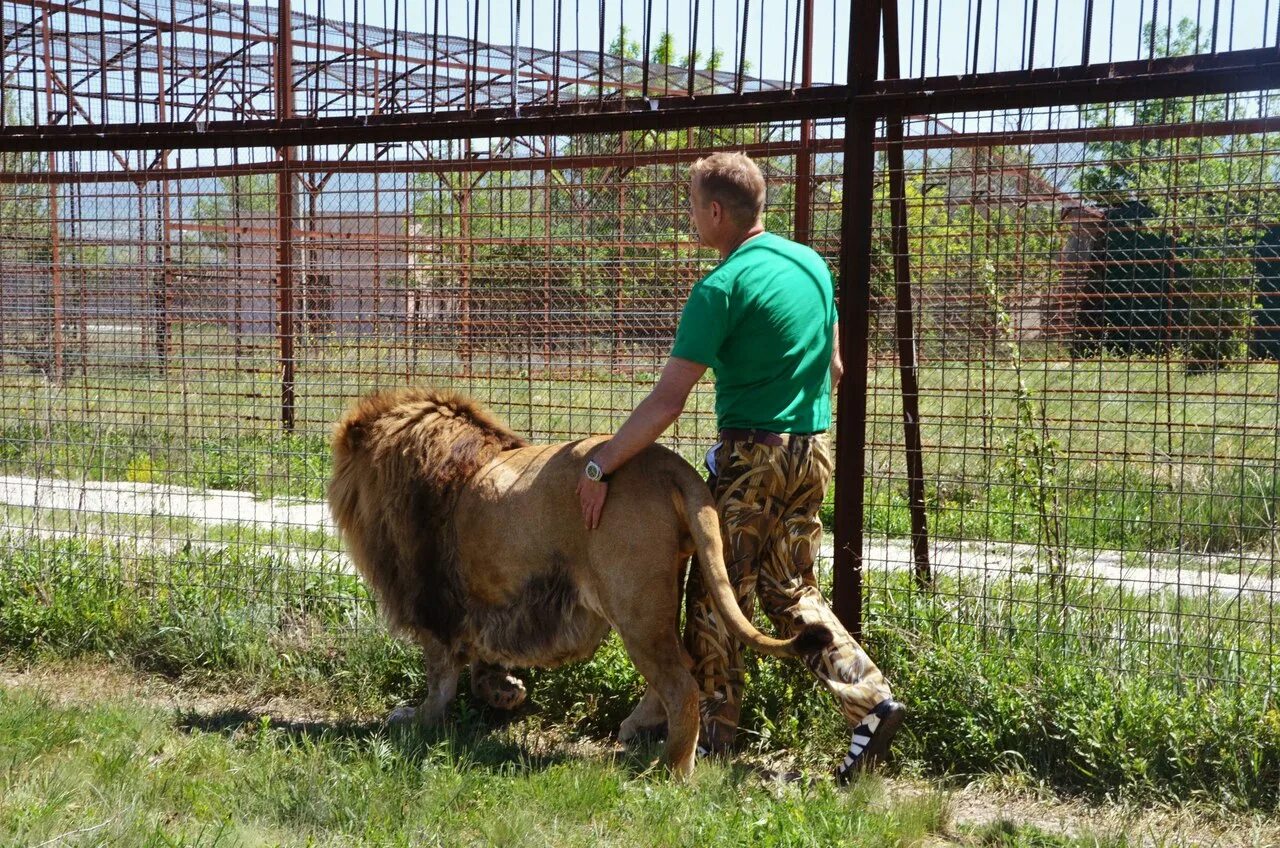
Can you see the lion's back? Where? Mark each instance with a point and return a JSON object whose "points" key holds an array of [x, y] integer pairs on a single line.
{"points": [[521, 513]]}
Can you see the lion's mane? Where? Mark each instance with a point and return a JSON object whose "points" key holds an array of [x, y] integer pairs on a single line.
{"points": [[400, 458]]}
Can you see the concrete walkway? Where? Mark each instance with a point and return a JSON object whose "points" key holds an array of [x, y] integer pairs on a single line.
{"points": [[1247, 573]]}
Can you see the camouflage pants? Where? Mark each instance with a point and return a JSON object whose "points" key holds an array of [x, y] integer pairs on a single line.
{"points": [[768, 498]]}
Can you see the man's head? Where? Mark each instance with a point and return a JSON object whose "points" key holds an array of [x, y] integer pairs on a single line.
{"points": [[726, 198]]}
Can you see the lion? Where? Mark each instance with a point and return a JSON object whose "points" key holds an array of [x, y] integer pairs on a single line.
{"points": [[472, 542]]}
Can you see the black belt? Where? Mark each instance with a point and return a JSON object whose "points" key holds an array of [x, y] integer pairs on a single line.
{"points": [[761, 437]]}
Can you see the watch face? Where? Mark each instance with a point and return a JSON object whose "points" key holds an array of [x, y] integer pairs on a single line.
{"points": [[593, 471]]}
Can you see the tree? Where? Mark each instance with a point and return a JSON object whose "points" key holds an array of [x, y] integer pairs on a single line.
{"points": [[26, 256], [1208, 195], [237, 199], [241, 200]]}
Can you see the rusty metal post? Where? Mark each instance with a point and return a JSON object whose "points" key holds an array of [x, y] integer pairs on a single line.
{"points": [[464, 230], [547, 269], [55, 257], [855, 298], [308, 321], [804, 157], [904, 320], [164, 281], [284, 216], [377, 255], [616, 346], [55, 276]]}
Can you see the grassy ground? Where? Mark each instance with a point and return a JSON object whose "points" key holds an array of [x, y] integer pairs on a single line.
{"points": [[1072, 684], [125, 775], [1094, 691], [93, 757]]}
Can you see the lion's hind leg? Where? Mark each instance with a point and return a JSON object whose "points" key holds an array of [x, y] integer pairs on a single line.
{"points": [[496, 686], [657, 656]]}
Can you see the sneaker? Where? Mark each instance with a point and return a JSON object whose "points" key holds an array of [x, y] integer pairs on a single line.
{"points": [[870, 742]]}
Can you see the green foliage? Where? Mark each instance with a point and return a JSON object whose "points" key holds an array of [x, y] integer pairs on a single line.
{"points": [[1209, 194], [959, 239], [622, 45], [239, 201], [24, 207], [1004, 833], [997, 685], [1031, 456]]}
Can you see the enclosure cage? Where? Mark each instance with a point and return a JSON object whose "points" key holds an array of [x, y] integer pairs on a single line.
{"points": [[1053, 224]]}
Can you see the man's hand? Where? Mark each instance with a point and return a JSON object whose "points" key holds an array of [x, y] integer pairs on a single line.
{"points": [[592, 495], [645, 424]]}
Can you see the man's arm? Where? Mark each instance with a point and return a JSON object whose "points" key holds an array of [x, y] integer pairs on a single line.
{"points": [[837, 364], [642, 428]]}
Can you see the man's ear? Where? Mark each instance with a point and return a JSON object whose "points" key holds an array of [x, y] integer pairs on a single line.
{"points": [[717, 211]]}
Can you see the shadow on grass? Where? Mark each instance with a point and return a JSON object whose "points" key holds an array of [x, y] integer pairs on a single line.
{"points": [[486, 739]]}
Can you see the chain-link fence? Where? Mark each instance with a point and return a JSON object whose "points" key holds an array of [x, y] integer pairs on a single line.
{"points": [[1056, 237]]}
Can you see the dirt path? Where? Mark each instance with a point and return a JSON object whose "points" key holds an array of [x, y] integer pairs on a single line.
{"points": [[970, 807], [1247, 573]]}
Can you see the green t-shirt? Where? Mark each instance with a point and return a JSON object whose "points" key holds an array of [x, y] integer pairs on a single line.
{"points": [[762, 320]]}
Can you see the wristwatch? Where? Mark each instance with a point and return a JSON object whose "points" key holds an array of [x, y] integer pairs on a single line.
{"points": [[595, 473]]}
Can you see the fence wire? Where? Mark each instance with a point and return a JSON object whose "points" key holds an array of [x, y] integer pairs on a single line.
{"points": [[1074, 310]]}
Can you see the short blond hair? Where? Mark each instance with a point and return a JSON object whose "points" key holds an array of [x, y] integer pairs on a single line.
{"points": [[734, 181]]}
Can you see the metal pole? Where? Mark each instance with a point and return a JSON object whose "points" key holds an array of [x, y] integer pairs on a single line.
{"points": [[548, 253], [284, 215], [55, 270], [164, 282], [804, 158], [904, 320], [855, 296], [55, 258], [464, 224]]}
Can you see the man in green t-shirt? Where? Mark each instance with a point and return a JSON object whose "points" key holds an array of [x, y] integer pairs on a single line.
{"points": [[764, 320]]}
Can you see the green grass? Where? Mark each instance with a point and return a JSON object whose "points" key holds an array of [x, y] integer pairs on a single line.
{"points": [[1147, 456], [1119, 695], [121, 774], [1008, 834], [1115, 694], [143, 528]]}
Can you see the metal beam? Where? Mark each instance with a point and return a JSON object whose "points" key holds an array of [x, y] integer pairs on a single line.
{"points": [[855, 301], [568, 118], [904, 319], [1237, 71], [1176, 76], [929, 141]]}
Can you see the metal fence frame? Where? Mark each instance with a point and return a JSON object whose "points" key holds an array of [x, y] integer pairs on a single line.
{"points": [[877, 94]]}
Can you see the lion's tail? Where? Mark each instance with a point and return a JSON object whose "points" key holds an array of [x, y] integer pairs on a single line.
{"points": [[704, 526]]}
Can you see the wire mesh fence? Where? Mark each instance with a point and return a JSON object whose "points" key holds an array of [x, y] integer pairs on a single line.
{"points": [[1096, 391], [220, 223]]}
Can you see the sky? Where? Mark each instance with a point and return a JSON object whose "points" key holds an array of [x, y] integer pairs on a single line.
{"points": [[1003, 32]]}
